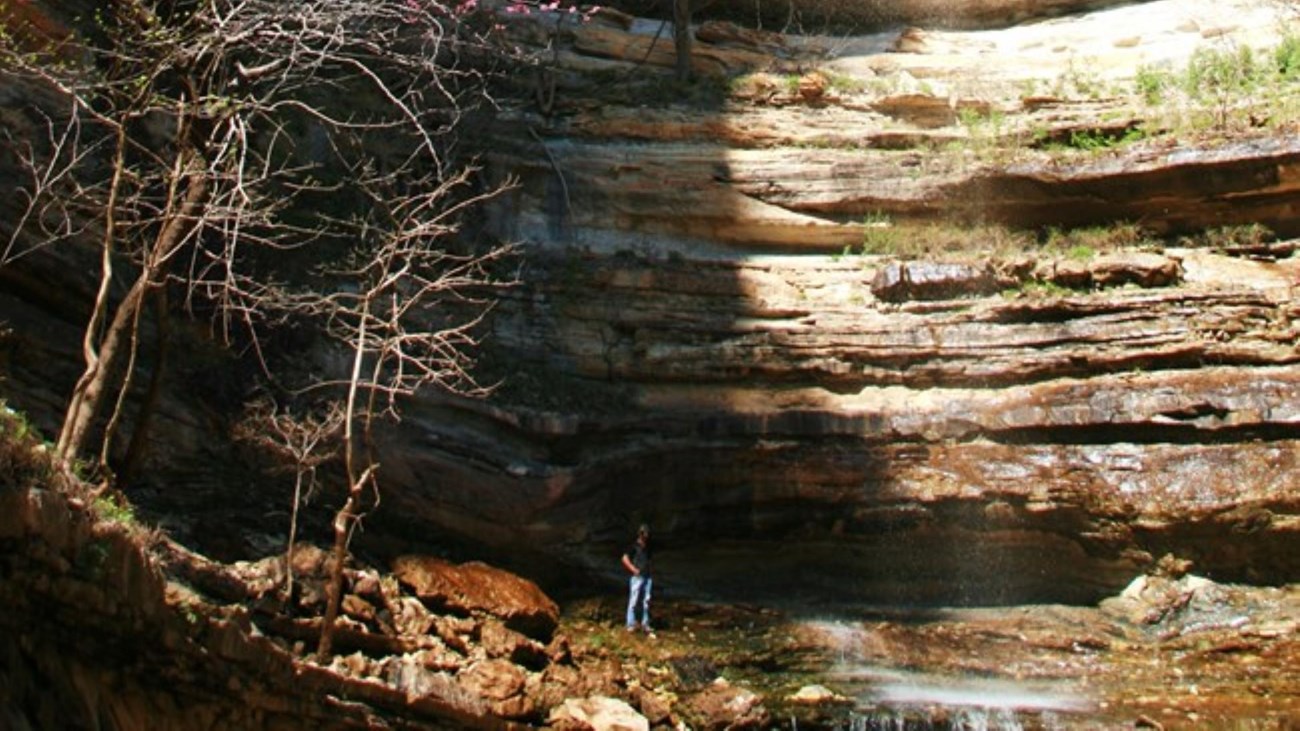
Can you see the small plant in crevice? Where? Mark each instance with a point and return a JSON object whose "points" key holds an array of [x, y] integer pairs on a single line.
{"points": [[1223, 87], [1153, 83], [24, 455], [190, 614], [1081, 244], [1096, 140], [879, 236], [1215, 73], [114, 510], [1286, 58], [1228, 238], [844, 83], [1038, 288], [1080, 252]]}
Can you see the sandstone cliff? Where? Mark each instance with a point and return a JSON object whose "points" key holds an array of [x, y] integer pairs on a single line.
{"points": [[914, 316], [825, 311], [717, 335]]}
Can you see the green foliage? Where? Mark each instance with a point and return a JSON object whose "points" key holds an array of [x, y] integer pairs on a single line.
{"points": [[879, 236], [844, 83], [112, 510], [1076, 82], [1081, 244], [1286, 58], [190, 614], [1231, 237], [977, 119], [1095, 140], [14, 424], [1153, 83], [1080, 252], [1212, 73], [24, 456], [985, 128], [1223, 87]]}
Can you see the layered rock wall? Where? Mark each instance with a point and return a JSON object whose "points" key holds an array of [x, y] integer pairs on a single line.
{"points": [[702, 340], [702, 345]]}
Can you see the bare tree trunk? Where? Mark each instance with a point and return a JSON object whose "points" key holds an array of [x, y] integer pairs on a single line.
{"points": [[136, 448], [343, 521], [91, 380], [356, 484], [123, 389], [293, 538], [682, 38], [89, 392]]}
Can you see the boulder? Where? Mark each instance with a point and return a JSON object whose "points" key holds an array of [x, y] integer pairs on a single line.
{"points": [[597, 713], [493, 680], [477, 588], [919, 280], [722, 705], [816, 695], [1135, 267]]}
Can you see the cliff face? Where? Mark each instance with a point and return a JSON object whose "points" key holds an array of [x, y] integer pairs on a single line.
{"points": [[716, 332], [822, 318], [784, 320]]}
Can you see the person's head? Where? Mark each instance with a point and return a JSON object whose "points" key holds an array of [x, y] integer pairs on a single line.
{"points": [[643, 532]]}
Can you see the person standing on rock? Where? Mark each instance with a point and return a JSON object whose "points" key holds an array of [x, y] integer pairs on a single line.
{"points": [[637, 561]]}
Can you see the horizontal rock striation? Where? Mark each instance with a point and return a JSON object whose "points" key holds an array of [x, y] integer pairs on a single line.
{"points": [[701, 338], [978, 449], [701, 344]]}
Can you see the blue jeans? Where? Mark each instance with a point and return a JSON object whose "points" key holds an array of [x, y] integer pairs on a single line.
{"points": [[638, 601]]}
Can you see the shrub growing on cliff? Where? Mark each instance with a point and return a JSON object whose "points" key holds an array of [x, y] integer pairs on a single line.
{"points": [[24, 458], [1223, 87]]}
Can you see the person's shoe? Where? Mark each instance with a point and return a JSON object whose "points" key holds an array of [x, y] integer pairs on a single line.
{"points": [[631, 628], [649, 631]]}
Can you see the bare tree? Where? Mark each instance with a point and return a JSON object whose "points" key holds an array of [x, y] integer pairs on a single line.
{"points": [[206, 134], [275, 163], [305, 442], [380, 310]]}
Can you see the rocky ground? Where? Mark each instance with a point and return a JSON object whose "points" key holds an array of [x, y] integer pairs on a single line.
{"points": [[152, 635], [1167, 653]]}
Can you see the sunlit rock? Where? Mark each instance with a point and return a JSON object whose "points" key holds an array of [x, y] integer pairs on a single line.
{"points": [[477, 587], [596, 713]]}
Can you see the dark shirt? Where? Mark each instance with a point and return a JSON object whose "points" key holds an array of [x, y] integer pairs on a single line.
{"points": [[640, 557]]}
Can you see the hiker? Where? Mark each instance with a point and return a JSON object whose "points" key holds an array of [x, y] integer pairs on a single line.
{"points": [[636, 559]]}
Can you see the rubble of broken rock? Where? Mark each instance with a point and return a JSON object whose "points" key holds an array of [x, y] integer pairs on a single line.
{"points": [[108, 619]]}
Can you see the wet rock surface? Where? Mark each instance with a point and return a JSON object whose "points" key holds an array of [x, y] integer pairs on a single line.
{"points": [[1180, 652]]}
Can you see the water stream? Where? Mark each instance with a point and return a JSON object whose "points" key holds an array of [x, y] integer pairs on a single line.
{"points": [[1148, 657], [886, 697]]}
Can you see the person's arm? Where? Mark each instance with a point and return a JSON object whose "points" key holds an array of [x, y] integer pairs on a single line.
{"points": [[631, 568]]}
